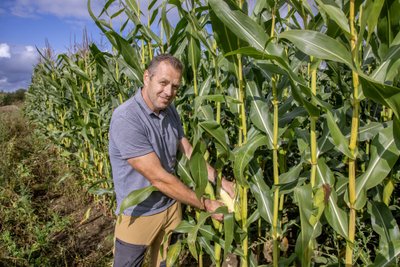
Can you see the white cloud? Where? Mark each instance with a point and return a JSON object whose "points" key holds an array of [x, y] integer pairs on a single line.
{"points": [[76, 9], [5, 50], [29, 48], [58, 8], [16, 70]]}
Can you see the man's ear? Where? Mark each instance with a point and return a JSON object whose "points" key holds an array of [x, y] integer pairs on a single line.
{"points": [[146, 77]]}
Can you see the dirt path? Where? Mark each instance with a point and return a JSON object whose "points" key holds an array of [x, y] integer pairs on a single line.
{"points": [[49, 223], [89, 239]]}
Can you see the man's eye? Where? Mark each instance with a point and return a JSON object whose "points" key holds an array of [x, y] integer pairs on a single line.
{"points": [[163, 83]]}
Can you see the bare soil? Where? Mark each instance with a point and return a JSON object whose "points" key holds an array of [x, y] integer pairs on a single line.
{"points": [[89, 239], [86, 239]]}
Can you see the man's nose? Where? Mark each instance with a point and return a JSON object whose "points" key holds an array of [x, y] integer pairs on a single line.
{"points": [[168, 90]]}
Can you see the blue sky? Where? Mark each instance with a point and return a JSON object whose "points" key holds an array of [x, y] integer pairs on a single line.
{"points": [[27, 24]]}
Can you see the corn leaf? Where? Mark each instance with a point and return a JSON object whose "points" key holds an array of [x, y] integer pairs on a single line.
{"points": [[228, 232], [198, 169], [384, 94], [369, 131], [184, 171], [192, 234], [324, 144], [207, 247], [337, 137], [205, 86], [144, 29], [336, 217], [290, 179], [244, 154], [384, 260], [193, 50], [75, 68], [336, 14], [263, 195], [225, 38], [304, 244], [385, 225], [201, 98], [205, 112], [319, 45], [173, 253], [384, 154], [128, 52], [135, 197], [217, 132], [239, 23], [389, 67], [259, 113], [369, 17], [208, 232]]}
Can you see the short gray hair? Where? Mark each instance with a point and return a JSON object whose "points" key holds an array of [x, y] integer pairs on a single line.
{"points": [[173, 61]]}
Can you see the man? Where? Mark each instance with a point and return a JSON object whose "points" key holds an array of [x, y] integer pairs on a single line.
{"points": [[145, 135]]}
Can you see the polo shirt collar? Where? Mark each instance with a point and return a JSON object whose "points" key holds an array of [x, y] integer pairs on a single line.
{"points": [[139, 99]]}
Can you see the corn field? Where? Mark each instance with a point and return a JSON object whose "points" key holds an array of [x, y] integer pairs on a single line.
{"points": [[298, 102]]}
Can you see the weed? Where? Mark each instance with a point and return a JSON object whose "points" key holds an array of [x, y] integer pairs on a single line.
{"points": [[24, 176]]}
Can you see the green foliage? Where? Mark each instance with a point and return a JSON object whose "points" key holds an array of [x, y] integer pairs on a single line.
{"points": [[135, 197], [295, 104], [8, 98], [25, 174], [78, 121]]}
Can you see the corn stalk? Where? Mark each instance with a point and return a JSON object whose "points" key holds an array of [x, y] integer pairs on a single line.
{"points": [[231, 73], [353, 141]]}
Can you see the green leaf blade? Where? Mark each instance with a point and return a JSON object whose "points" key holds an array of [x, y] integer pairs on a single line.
{"points": [[135, 197], [319, 45]]}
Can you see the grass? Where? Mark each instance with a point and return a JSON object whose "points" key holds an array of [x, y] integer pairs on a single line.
{"points": [[42, 205]]}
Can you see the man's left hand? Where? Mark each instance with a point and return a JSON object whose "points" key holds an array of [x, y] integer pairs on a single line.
{"points": [[229, 187], [211, 206]]}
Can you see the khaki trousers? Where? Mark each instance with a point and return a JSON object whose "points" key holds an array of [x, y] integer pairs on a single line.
{"points": [[148, 232]]}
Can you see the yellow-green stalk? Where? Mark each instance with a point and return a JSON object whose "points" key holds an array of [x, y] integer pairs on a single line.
{"points": [[194, 70], [217, 247], [217, 225], [243, 140], [218, 82], [353, 143], [275, 163], [275, 236], [206, 156], [387, 114], [142, 50], [149, 42], [313, 134]]}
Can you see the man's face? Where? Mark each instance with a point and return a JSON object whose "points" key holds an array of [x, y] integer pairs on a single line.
{"points": [[160, 87]]}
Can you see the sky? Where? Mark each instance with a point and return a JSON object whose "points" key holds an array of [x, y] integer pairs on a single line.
{"points": [[25, 25]]}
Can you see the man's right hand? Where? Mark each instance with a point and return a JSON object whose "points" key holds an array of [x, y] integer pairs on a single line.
{"points": [[211, 206]]}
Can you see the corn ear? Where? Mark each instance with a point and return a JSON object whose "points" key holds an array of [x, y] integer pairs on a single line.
{"points": [[227, 200]]}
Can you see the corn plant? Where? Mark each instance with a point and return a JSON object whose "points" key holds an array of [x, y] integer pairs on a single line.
{"points": [[296, 101], [75, 108]]}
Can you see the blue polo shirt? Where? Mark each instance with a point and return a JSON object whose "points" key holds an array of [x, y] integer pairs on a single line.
{"points": [[135, 130]]}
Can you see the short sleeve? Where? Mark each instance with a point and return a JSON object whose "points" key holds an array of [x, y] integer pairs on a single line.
{"points": [[129, 137]]}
